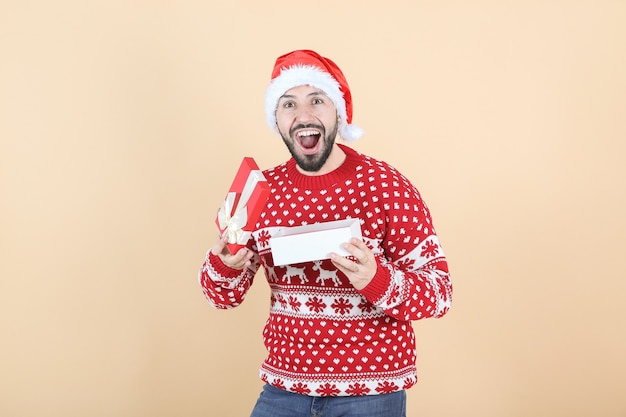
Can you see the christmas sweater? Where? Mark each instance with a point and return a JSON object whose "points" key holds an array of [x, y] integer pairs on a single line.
{"points": [[323, 336]]}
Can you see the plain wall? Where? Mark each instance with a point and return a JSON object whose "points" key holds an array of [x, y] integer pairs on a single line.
{"points": [[122, 124]]}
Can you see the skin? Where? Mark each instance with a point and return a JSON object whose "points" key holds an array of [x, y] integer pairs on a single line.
{"points": [[305, 114]]}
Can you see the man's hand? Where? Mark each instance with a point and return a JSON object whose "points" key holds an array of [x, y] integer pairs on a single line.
{"points": [[239, 260], [360, 271]]}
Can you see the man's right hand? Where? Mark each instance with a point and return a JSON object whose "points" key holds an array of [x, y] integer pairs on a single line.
{"points": [[240, 260]]}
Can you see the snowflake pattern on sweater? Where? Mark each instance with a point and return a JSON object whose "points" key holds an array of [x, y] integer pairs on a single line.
{"points": [[324, 337]]}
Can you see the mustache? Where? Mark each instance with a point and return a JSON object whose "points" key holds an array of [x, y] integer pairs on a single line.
{"points": [[307, 126]]}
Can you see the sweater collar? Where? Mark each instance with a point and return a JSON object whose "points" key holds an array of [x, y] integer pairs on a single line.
{"points": [[314, 182]]}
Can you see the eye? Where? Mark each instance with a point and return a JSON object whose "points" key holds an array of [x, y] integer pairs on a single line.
{"points": [[288, 105], [318, 100]]}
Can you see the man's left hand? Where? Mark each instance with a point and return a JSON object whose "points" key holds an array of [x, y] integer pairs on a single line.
{"points": [[362, 269]]}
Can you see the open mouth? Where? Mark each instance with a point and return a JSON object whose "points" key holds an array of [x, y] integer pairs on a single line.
{"points": [[308, 138]]}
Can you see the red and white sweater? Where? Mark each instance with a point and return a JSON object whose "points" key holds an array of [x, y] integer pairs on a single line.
{"points": [[324, 337]]}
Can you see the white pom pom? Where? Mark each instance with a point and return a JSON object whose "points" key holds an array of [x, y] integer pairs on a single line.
{"points": [[350, 133]]}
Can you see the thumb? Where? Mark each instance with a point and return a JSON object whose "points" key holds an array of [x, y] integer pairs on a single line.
{"points": [[219, 245]]}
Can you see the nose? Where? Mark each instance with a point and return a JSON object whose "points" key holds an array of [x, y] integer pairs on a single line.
{"points": [[304, 114]]}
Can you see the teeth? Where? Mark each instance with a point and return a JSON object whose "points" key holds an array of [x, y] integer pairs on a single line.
{"points": [[308, 133]]}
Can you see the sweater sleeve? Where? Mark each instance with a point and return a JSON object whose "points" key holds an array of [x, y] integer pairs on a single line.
{"points": [[412, 281], [225, 287]]}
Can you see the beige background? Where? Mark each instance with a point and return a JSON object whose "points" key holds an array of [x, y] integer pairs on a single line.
{"points": [[122, 123]]}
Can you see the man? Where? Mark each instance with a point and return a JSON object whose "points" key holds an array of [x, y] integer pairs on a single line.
{"points": [[339, 335]]}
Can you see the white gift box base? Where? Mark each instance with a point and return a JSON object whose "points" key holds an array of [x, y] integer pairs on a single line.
{"points": [[292, 245]]}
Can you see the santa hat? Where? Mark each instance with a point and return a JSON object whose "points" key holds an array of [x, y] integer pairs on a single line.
{"points": [[304, 67]]}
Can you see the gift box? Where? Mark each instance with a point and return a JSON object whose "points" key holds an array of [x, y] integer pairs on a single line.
{"points": [[292, 245], [243, 205]]}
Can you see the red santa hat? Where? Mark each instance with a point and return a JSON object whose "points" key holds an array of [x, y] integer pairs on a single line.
{"points": [[304, 67]]}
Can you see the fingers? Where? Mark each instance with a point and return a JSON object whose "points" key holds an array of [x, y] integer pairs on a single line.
{"points": [[348, 266], [344, 264], [359, 250], [361, 269], [219, 245], [239, 260]]}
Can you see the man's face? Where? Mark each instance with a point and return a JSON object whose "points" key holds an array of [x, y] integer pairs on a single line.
{"points": [[307, 121]]}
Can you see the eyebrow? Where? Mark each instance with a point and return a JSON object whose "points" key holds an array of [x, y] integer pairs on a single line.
{"points": [[313, 93]]}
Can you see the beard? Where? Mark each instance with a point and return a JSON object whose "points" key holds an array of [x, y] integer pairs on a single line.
{"points": [[311, 163]]}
